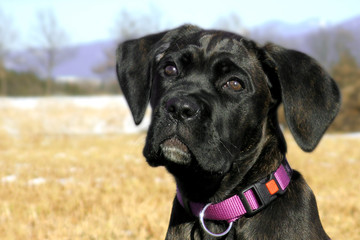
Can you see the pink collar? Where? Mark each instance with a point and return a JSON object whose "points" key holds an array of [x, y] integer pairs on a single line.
{"points": [[250, 201]]}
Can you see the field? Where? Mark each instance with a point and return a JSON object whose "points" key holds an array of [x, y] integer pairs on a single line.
{"points": [[75, 171]]}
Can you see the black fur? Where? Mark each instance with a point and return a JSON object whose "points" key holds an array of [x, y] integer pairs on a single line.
{"points": [[216, 139]]}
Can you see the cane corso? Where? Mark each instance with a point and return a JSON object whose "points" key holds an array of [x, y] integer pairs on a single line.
{"points": [[214, 126]]}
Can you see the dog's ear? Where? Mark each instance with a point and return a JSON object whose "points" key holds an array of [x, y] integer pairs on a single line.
{"points": [[134, 58], [310, 96]]}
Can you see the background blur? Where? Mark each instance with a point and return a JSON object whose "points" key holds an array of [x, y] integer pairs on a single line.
{"points": [[66, 47], [70, 156]]}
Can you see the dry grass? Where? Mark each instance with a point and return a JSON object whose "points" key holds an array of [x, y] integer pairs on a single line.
{"points": [[81, 188], [332, 171], [100, 187]]}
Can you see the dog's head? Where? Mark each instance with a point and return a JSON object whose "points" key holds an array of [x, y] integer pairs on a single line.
{"points": [[214, 98]]}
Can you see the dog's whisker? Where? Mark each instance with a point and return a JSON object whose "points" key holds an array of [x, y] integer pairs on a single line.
{"points": [[230, 143], [221, 141]]}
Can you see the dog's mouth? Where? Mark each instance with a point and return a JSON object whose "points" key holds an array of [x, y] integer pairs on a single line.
{"points": [[175, 151]]}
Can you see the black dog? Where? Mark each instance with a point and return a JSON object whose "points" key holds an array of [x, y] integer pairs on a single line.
{"points": [[214, 97]]}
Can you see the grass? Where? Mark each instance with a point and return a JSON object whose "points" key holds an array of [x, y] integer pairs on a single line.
{"points": [[70, 187], [57, 186], [332, 171]]}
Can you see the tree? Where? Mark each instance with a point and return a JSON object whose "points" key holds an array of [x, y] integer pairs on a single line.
{"points": [[346, 71], [321, 45], [106, 69], [127, 26], [347, 74], [328, 44], [232, 23], [7, 36], [52, 39]]}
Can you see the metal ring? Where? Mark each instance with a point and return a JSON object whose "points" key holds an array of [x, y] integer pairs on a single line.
{"points": [[201, 216]]}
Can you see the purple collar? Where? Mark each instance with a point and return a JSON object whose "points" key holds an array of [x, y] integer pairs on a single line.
{"points": [[247, 203]]}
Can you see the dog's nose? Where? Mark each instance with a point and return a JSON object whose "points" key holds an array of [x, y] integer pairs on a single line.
{"points": [[182, 108]]}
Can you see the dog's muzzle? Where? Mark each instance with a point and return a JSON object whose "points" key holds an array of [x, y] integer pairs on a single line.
{"points": [[176, 151]]}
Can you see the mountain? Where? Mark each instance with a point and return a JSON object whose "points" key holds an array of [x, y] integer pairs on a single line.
{"points": [[311, 37], [278, 28], [323, 41], [353, 26], [76, 61], [83, 59]]}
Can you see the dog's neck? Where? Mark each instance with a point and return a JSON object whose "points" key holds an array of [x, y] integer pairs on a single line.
{"points": [[215, 188], [249, 201]]}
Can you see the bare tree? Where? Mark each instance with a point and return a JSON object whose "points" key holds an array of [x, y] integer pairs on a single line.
{"points": [[106, 69], [321, 45], [328, 44], [7, 36], [127, 26], [51, 38], [343, 41], [232, 23]]}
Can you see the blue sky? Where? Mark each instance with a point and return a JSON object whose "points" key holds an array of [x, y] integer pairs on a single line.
{"points": [[89, 20]]}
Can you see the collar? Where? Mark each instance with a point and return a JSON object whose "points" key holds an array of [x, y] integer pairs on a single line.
{"points": [[248, 202]]}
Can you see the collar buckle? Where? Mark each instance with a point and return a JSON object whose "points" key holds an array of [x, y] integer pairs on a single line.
{"points": [[268, 189]]}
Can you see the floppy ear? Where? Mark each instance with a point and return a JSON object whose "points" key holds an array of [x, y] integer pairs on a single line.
{"points": [[310, 96], [133, 67]]}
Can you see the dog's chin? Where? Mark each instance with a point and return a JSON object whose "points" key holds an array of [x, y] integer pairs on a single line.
{"points": [[175, 151]]}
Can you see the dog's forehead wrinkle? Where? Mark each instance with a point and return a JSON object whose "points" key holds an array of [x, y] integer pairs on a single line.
{"points": [[160, 51], [225, 44], [209, 45], [215, 42], [159, 56], [205, 40]]}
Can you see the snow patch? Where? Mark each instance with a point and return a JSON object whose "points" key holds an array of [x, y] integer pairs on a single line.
{"points": [[9, 179], [354, 135], [36, 181], [70, 115], [74, 120]]}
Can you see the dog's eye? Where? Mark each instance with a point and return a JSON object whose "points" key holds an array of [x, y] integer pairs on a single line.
{"points": [[234, 85], [170, 70]]}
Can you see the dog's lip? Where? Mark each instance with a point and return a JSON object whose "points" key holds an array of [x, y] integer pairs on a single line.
{"points": [[176, 143], [175, 150]]}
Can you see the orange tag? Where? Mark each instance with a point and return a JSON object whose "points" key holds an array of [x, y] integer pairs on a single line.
{"points": [[272, 187]]}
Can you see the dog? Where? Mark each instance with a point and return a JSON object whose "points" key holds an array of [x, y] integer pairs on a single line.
{"points": [[214, 126]]}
